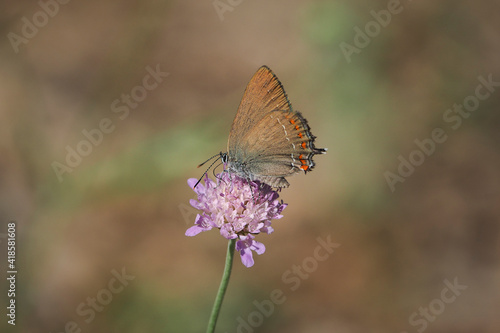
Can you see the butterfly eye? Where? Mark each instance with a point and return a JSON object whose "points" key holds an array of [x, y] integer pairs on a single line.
{"points": [[224, 157]]}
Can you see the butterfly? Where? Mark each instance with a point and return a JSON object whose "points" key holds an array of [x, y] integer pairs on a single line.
{"points": [[268, 140]]}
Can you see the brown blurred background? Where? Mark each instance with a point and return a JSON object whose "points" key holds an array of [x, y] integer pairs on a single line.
{"points": [[125, 204]]}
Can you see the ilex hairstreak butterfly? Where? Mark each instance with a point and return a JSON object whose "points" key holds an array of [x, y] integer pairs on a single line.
{"points": [[268, 140]]}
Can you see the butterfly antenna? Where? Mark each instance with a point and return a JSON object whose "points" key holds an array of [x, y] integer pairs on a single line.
{"points": [[199, 165], [199, 180], [215, 168]]}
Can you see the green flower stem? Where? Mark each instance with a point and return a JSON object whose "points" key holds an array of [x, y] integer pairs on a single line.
{"points": [[223, 286]]}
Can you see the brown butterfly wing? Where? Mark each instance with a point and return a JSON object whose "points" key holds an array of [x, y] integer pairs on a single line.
{"points": [[263, 94], [268, 140], [280, 145]]}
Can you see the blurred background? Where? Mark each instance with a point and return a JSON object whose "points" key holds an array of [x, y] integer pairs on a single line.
{"points": [[96, 151]]}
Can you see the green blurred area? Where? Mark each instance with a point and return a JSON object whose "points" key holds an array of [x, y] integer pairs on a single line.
{"points": [[126, 203]]}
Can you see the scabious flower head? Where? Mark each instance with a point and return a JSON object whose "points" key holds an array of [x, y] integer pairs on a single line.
{"points": [[239, 209]]}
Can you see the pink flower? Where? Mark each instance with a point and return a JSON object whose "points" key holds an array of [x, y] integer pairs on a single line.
{"points": [[237, 208]]}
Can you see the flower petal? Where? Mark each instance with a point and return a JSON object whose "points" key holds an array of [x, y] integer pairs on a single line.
{"points": [[227, 231], [192, 182], [196, 204], [247, 257], [258, 247], [194, 230]]}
